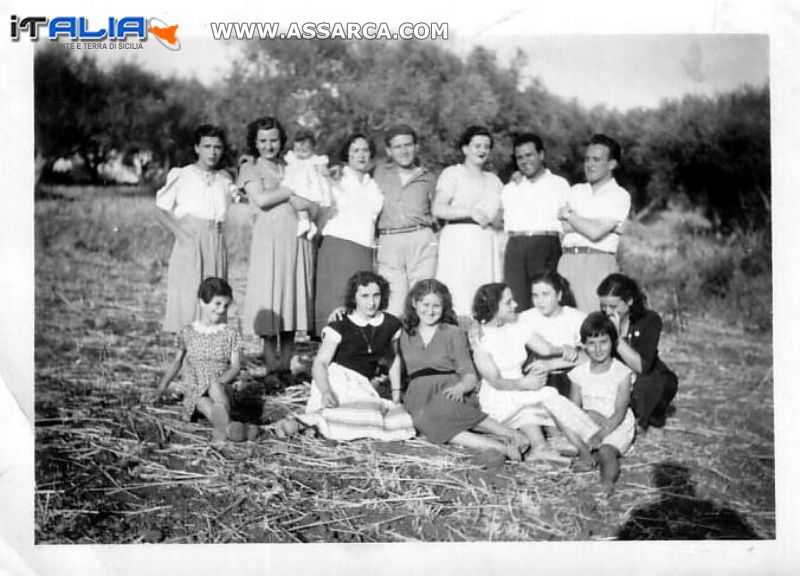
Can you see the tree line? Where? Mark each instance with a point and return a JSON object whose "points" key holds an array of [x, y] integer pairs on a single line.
{"points": [[709, 153]]}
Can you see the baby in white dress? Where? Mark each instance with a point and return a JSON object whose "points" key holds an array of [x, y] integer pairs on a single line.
{"points": [[307, 176]]}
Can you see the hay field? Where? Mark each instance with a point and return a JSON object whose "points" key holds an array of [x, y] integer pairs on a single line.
{"points": [[111, 470]]}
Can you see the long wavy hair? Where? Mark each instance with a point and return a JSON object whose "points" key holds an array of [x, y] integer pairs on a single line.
{"points": [[418, 292]]}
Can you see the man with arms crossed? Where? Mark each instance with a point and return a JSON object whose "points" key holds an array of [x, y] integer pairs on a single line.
{"points": [[592, 220], [407, 245], [530, 218]]}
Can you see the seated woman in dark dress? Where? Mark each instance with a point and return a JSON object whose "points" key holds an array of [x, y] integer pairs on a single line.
{"points": [[655, 385], [442, 378]]}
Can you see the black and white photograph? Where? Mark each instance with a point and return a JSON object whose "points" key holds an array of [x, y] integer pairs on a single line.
{"points": [[398, 289]]}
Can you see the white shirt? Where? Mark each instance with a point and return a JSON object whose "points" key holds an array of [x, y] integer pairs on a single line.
{"points": [[610, 200], [533, 206], [357, 202], [561, 330], [191, 192]]}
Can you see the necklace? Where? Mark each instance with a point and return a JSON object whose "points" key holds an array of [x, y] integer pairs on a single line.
{"points": [[367, 341]]}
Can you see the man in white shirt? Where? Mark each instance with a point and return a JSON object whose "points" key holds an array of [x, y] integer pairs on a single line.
{"points": [[592, 221], [530, 218]]}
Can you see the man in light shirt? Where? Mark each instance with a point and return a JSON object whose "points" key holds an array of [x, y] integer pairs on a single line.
{"points": [[530, 218], [592, 221], [407, 245]]}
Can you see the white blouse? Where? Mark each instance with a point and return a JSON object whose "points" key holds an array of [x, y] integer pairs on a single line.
{"points": [[191, 192], [357, 201]]}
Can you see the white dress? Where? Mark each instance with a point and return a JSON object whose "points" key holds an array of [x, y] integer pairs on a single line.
{"points": [[517, 408], [599, 393], [469, 256]]}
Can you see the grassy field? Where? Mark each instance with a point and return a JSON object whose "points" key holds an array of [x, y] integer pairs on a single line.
{"points": [[111, 470]]}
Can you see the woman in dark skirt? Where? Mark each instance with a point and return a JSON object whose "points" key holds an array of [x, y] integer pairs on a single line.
{"points": [[348, 234], [655, 386]]}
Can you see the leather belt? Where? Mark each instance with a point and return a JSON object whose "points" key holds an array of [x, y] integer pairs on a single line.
{"points": [[403, 230], [513, 233], [583, 250]]}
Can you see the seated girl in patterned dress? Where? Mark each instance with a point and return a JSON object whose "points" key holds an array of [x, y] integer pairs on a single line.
{"points": [[210, 355]]}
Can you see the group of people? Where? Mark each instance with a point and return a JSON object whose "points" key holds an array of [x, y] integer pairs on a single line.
{"points": [[534, 358]]}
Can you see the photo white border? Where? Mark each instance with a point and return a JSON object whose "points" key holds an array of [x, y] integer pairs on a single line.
{"points": [[18, 555]]}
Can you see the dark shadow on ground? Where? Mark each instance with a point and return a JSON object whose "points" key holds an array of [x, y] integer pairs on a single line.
{"points": [[680, 515]]}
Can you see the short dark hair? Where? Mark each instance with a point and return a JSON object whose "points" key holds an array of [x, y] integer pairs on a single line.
{"points": [[472, 131], [210, 131], [399, 130], [265, 123], [558, 283], [305, 135], [418, 291], [213, 286], [487, 301], [365, 278], [596, 324], [614, 150], [344, 152], [527, 138], [626, 288]]}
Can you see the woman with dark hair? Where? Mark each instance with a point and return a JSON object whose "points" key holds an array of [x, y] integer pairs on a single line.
{"points": [[468, 200], [554, 326], [348, 234], [655, 385], [279, 280], [509, 395], [355, 350], [442, 378]]}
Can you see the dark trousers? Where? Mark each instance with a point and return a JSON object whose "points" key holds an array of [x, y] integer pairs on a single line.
{"points": [[527, 256], [651, 396], [561, 382]]}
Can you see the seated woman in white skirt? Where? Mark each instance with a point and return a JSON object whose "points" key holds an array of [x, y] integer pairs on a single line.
{"points": [[518, 400], [344, 404]]}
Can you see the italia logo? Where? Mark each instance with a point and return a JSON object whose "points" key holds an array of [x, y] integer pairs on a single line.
{"points": [[78, 28]]}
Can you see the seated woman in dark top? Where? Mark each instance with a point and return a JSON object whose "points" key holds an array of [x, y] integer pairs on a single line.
{"points": [[344, 404], [655, 385]]}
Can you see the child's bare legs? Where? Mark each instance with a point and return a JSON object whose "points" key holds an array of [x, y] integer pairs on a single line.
{"points": [[217, 408], [287, 349], [584, 450], [271, 360], [607, 457]]}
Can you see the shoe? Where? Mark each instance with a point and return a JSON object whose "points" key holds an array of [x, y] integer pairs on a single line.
{"points": [[236, 432]]}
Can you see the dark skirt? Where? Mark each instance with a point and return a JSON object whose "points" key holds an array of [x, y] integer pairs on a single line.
{"points": [[652, 394], [435, 416], [337, 261]]}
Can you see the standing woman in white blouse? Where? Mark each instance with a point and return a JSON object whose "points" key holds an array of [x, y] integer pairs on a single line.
{"points": [[348, 236], [192, 205], [468, 200]]}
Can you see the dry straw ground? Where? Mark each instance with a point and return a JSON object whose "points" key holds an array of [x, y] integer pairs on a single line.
{"points": [[111, 470]]}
